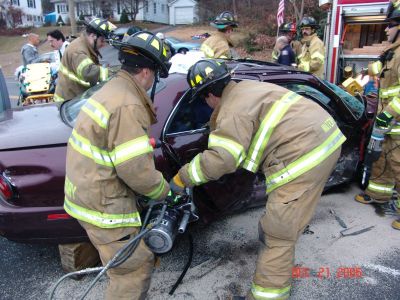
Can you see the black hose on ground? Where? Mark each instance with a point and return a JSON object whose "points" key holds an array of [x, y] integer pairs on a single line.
{"points": [[189, 262]]}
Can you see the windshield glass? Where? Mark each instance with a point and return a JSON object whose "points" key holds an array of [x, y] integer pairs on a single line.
{"points": [[354, 105], [70, 109]]}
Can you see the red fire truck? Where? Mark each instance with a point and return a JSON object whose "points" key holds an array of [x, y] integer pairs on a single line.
{"points": [[354, 35]]}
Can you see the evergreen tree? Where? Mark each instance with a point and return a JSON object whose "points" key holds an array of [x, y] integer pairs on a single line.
{"points": [[124, 17]]}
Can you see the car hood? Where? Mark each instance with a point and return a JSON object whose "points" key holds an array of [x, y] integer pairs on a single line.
{"points": [[33, 126]]}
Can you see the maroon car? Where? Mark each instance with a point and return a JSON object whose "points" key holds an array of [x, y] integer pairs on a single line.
{"points": [[33, 149]]}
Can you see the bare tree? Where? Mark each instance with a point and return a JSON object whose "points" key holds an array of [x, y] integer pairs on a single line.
{"points": [[72, 20]]}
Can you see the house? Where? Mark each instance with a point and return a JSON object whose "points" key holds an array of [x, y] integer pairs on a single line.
{"points": [[172, 12], [183, 12], [32, 14]]}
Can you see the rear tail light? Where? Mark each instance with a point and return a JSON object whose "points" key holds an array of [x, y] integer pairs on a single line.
{"points": [[5, 188], [58, 217]]}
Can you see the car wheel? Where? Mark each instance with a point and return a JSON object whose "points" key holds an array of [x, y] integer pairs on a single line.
{"points": [[183, 51]]}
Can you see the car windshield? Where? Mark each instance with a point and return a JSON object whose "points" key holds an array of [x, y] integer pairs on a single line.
{"points": [[352, 103], [70, 109], [174, 40]]}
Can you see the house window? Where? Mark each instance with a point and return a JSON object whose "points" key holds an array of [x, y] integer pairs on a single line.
{"points": [[15, 2], [62, 8], [155, 8], [146, 6], [30, 3], [118, 7], [162, 8], [29, 18]]}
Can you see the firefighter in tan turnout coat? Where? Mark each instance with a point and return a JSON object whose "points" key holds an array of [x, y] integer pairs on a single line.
{"points": [[110, 162], [292, 140], [219, 44], [385, 175], [79, 68], [312, 56]]}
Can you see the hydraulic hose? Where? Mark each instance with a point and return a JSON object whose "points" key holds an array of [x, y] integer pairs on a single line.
{"points": [[121, 256]]}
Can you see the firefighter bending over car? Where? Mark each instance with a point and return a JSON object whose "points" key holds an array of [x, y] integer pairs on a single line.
{"points": [[79, 68], [292, 140], [384, 184], [219, 44], [312, 56], [110, 161]]}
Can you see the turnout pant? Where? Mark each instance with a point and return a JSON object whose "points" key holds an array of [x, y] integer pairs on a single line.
{"points": [[385, 175], [130, 280], [289, 209]]}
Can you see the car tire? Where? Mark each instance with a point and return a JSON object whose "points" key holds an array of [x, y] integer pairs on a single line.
{"points": [[183, 51]]}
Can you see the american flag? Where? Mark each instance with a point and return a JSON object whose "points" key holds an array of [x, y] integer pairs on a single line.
{"points": [[279, 15]]}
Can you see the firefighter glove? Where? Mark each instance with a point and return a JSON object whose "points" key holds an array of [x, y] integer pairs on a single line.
{"points": [[176, 185], [384, 119]]}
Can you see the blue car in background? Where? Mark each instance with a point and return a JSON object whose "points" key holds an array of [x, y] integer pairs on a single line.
{"points": [[179, 46]]}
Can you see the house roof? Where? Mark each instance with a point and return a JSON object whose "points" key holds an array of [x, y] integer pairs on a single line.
{"points": [[170, 2]]}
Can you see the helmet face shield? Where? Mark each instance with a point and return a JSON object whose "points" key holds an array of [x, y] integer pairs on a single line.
{"points": [[309, 22]]}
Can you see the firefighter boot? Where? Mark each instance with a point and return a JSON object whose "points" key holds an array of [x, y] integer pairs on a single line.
{"points": [[396, 224], [365, 199]]}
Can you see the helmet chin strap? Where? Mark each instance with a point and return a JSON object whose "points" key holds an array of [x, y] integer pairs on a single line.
{"points": [[153, 89], [95, 47], [397, 34]]}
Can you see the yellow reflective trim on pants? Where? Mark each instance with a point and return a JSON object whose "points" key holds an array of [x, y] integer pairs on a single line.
{"points": [[264, 132], [130, 149], [391, 91], [235, 149], [83, 64], [195, 173], [260, 293], [96, 112], [84, 147], [156, 193], [208, 52], [306, 162], [100, 219], [57, 98], [386, 189], [395, 104], [376, 67], [318, 55], [72, 76], [103, 74]]}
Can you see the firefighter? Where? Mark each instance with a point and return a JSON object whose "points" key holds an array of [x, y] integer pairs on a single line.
{"points": [[167, 45], [219, 45], [384, 183], [292, 140], [110, 162], [79, 68], [312, 56], [289, 30]]}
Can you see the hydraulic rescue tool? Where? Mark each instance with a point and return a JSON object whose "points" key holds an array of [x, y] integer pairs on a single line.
{"points": [[374, 150], [162, 223]]}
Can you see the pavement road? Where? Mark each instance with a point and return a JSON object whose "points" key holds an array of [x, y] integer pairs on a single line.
{"points": [[365, 266]]}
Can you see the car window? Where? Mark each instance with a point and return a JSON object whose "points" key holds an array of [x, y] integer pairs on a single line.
{"points": [[352, 103], [189, 115], [308, 92], [70, 109]]}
